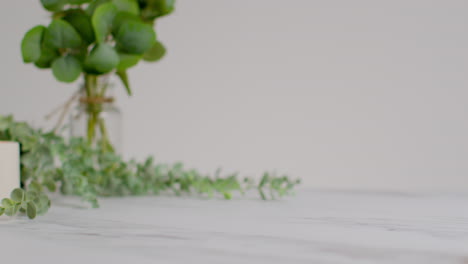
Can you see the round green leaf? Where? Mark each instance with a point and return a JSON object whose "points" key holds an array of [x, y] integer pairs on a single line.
{"points": [[60, 34], [93, 5], [121, 17], [103, 58], [165, 7], [42, 204], [46, 59], [50, 185], [127, 61], [35, 186], [135, 37], [31, 210], [78, 2], [31, 195], [11, 211], [102, 20], [7, 203], [31, 44], [82, 23], [17, 195], [130, 6], [157, 8], [66, 69], [155, 53], [53, 5]]}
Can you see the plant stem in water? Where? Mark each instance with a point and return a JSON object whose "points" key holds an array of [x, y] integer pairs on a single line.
{"points": [[93, 110]]}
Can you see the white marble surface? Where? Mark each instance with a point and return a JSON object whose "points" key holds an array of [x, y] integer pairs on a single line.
{"points": [[312, 227]]}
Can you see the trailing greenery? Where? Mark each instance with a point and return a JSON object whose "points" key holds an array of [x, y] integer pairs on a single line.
{"points": [[49, 163], [95, 39]]}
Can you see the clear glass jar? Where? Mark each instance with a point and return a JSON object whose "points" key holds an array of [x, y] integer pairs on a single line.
{"points": [[98, 119]]}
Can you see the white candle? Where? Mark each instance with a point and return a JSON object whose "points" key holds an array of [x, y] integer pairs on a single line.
{"points": [[9, 168]]}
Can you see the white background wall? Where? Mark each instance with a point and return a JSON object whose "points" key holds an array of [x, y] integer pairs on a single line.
{"points": [[359, 94]]}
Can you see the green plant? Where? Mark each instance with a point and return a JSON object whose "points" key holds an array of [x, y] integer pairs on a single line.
{"points": [[50, 163], [95, 39]]}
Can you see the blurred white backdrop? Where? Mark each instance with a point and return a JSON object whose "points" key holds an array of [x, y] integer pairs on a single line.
{"points": [[364, 94]]}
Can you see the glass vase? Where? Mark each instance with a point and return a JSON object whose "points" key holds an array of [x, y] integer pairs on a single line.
{"points": [[97, 118]]}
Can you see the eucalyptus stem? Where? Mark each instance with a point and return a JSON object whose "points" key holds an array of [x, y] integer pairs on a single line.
{"points": [[91, 128], [95, 90], [89, 84], [90, 87], [105, 141]]}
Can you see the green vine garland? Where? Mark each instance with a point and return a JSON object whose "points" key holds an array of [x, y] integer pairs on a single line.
{"points": [[49, 163]]}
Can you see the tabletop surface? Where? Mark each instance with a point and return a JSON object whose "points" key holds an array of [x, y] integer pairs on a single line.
{"points": [[311, 227]]}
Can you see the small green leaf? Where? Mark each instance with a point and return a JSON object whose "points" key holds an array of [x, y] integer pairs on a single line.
{"points": [[94, 5], [103, 58], [157, 8], [127, 61], [155, 53], [31, 44], [31, 210], [42, 204], [17, 195], [227, 196], [121, 17], [47, 57], [102, 20], [135, 37], [124, 78], [31, 195], [130, 6], [50, 186], [82, 23], [2, 210], [7, 203], [23, 206], [13, 210], [35, 186], [66, 69], [60, 34], [77, 2], [53, 5]]}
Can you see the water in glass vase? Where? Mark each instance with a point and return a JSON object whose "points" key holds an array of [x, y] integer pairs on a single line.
{"points": [[97, 118]]}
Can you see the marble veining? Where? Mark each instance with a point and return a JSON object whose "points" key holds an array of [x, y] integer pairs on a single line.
{"points": [[311, 227]]}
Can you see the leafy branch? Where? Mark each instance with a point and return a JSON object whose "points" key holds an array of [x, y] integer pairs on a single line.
{"points": [[31, 202], [95, 39], [49, 163]]}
